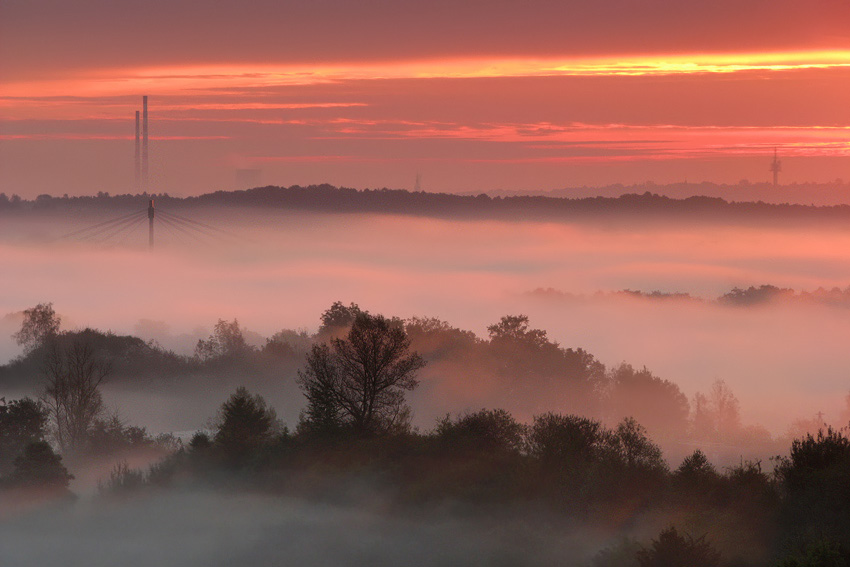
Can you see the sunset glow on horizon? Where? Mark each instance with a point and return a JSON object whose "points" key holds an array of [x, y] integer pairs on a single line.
{"points": [[548, 113], [208, 79]]}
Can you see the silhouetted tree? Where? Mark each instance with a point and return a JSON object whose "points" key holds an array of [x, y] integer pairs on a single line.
{"points": [[695, 478], [481, 456], [567, 450], [726, 409], [754, 295], [485, 430], [320, 382], [337, 319], [635, 448], [437, 338], [111, 434], [749, 487], [288, 343], [21, 422], [513, 330], [631, 467], [245, 422], [696, 470], [122, 480], [820, 553], [702, 422], [40, 324], [674, 550], [359, 381], [39, 467], [565, 440], [200, 441], [814, 477], [657, 404], [717, 415], [226, 341], [527, 358], [72, 390]]}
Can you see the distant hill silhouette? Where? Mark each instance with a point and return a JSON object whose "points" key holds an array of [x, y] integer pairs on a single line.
{"points": [[823, 194], [330, 199], [736, 297]]}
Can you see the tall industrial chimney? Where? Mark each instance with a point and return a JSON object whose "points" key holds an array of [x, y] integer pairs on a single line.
{"points": [[138, 154], [151, 212], [145, 142]]}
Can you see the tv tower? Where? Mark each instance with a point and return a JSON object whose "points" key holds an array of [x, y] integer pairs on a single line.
{"points": [[775, 167]]}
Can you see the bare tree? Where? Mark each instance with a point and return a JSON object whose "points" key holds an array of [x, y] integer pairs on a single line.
{"points": [[717, 415], [72, 391], [727, 410], [359, 381]]}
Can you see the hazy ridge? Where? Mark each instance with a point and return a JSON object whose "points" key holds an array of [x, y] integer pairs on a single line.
{"points": [[648, 205]]}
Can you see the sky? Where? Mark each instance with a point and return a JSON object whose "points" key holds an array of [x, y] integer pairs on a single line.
{"points": [[472, 96]]}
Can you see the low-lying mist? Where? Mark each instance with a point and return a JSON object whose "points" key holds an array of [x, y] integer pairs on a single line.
{"points": [[211, 528]]}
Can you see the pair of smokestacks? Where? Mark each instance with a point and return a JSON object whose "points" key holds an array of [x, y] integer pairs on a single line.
{"points": [[142, 150]]}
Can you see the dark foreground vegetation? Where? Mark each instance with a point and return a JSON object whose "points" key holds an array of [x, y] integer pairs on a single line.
{"points": [[354, 442]]}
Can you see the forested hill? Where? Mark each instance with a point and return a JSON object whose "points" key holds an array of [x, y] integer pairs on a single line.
{"points": [[326, 198]]}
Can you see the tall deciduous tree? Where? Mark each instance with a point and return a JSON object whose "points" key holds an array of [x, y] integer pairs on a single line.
{"points": [[635, 449], [716, 416], [227, 340], [531, 362], [727, 410], [338, 318], [359, 381], [40, 324], [72, 395], [657, 404]]}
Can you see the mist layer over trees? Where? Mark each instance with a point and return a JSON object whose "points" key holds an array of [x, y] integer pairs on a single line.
{"points": [[587, 476], [86, 376], [468, 271], [498, 402]]}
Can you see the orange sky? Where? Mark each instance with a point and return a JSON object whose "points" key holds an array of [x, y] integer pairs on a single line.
{"points": [[473, 97]]}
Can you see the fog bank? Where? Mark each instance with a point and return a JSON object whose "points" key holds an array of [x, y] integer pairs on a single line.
{"points": [[210, 529], [783, 361]]}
